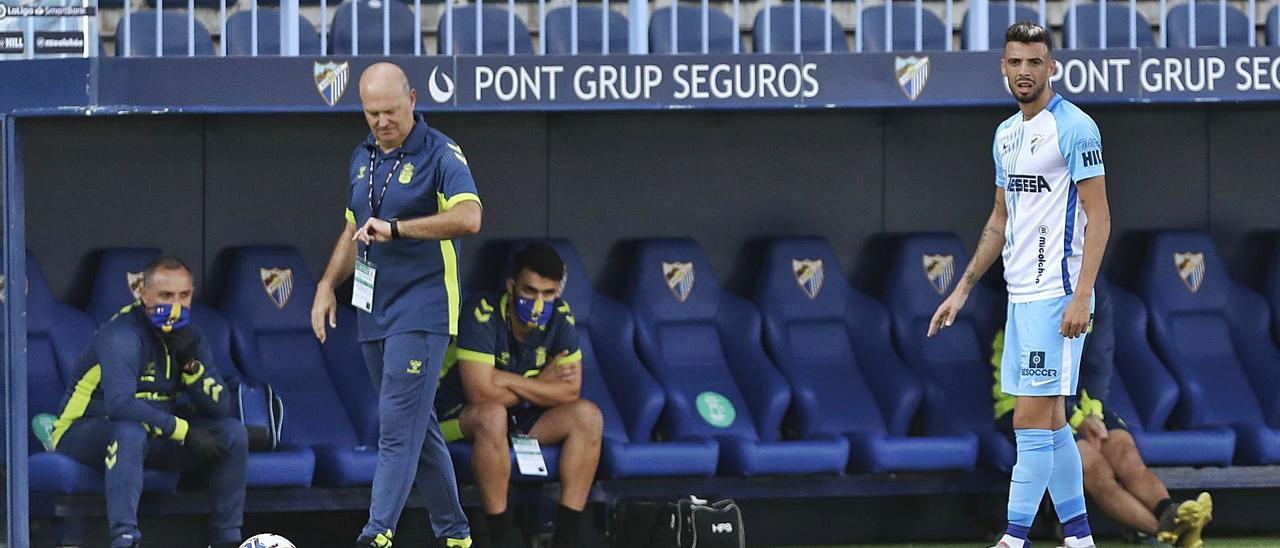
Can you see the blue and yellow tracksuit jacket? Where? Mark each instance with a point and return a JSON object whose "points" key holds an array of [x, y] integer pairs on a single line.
{"points": [[129, 373]]}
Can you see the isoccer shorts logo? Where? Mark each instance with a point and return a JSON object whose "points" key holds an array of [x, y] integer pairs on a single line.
{"points": [[1036, 359], [1035, 366]]}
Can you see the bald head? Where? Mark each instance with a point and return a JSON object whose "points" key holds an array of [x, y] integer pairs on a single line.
{"points": [[384, 78], [388, 102]]}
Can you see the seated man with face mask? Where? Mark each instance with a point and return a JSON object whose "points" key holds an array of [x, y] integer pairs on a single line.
{"points": [[119, 412], [516, 369]]}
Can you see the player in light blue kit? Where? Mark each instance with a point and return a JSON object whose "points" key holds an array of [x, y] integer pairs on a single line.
{"points": [[1050, 186]]}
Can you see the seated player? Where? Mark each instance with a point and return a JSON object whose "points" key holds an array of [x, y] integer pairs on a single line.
{"points": [[516, 369], [1115, 477], [120, 410]]}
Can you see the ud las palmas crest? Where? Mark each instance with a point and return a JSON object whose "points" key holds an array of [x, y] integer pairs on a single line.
{"points": [[679, 276], [809, 275], [331, 80], [1190, 269], [134, 279], [278, 283], [939, 269], [912, 74]]}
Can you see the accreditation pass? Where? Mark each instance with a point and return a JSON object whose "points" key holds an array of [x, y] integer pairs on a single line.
{"points": [[362, 290], [528, 455]]}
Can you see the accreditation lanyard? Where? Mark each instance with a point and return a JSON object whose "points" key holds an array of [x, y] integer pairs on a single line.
{"points": [[365, 271], [382, 196]]}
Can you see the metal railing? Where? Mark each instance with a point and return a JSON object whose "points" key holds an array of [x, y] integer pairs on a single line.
{"points": [[778, 26]]}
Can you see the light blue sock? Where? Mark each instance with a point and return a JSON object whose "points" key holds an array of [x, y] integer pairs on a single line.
{"points": [[1030, 474], [1066, 482]]}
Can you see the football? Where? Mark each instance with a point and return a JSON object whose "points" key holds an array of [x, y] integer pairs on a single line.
{"points": [[266, 540]]}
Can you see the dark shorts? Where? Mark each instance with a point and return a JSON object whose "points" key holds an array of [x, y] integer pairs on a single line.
{"points": [[522, 417]]}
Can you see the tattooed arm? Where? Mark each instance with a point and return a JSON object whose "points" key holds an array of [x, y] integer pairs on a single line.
{"points": [[989, 246]]}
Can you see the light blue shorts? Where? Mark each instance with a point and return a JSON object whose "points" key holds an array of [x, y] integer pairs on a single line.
{"points": [[1038, 360]]}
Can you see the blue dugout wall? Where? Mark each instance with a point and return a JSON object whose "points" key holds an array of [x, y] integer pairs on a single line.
{"points": [[201, 155]]}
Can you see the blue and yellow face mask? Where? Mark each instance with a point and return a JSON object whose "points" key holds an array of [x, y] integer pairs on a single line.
{"points": [[533, 312], [169, 317]]}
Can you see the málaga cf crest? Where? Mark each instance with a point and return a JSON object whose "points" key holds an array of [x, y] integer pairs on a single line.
{"points": [[679, 276], [1190, 269], [134, 279], [939, 269], [912, 74], [809, 275], [278, 283], [331, 80]]}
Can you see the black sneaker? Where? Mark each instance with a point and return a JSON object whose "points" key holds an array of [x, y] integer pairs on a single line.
{"points": [[1167, 530]]}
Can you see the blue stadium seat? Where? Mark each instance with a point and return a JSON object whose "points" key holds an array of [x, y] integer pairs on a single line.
{"points": [[934, 35], [57, 336], [142, 31], [1117, 27], [117, 280], [495, 39], [369, 17], [997, 23], [832, 344], [198, 3], [689, 31], [268, 299], [781, 35], [1178, 25], [1273, 26], [1271, 286], [1213, 335], [1144, 395], [113, 284], [954, 363], [703, 346], [240, 33], [590, 31], [615, 379]]}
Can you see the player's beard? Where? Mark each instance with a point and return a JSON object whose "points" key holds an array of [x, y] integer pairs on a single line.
{"points": [[1036, 92]]}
